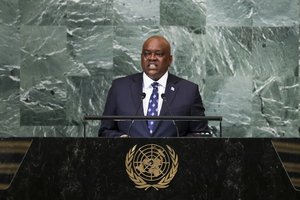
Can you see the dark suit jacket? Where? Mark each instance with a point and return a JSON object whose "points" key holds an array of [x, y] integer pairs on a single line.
{"points": [[124, 98]]}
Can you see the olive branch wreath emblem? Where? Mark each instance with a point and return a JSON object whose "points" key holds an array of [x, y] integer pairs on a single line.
{"points": [[141, 183]]}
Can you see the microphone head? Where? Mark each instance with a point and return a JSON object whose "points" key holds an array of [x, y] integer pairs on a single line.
{"points": [[143, 95], [163, 96]]}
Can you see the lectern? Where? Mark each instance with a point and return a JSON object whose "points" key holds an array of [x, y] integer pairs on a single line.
{"points": [[169, 168]]}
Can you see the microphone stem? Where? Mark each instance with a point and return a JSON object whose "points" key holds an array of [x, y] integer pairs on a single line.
{"points": [[163, 96], [143, 95]]}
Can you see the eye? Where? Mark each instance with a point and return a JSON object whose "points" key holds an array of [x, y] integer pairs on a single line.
{"points": [[146, 53], [159, 54]]}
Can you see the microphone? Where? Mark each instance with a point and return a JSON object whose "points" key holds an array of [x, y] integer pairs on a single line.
{"points": [[143, 95], [163, 96]]}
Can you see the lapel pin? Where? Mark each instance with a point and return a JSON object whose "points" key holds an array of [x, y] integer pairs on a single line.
{"points": [[173, 89]]}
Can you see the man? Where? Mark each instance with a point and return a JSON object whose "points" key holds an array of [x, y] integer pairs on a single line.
{"points": [[168, 95]]}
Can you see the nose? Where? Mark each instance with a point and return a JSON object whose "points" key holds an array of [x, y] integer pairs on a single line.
{"points": [[152, 56]]}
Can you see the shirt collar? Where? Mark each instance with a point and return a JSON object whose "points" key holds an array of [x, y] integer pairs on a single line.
{"points": [[148, 81]]}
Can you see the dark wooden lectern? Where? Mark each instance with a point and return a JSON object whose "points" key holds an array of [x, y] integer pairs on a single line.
{"points": [[114, 169]]}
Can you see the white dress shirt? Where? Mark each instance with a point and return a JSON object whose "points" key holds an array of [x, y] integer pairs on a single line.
{"points": [[147, 89]]}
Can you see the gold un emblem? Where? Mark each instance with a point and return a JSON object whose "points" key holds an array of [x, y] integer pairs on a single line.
{"points": [[151, 166]]}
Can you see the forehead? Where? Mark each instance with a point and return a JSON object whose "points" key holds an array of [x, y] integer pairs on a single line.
{"points": [[155, 44]]}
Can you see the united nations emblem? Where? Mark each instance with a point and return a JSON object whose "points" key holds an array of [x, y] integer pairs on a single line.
{"points": [[151, 166]]}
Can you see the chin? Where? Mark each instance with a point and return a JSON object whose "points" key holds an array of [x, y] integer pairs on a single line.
{"points": [[155, 78]]}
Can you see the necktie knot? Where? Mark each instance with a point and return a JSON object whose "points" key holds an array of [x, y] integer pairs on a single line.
{"points": [[155, 85]]}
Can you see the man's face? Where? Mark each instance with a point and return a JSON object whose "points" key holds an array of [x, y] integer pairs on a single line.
{"points": [[156, 58]]}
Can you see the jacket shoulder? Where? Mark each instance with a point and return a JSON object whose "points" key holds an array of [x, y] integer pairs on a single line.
{"points": [[182, 81], [129, 78]]}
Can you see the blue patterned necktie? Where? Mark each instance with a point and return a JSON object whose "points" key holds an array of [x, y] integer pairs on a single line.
{"points": [[153, 106]]}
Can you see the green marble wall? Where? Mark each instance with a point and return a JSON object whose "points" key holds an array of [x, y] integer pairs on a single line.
{"points": [[58, 58]]}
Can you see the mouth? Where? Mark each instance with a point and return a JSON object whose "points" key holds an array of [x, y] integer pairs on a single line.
{"points": [[152, 66]]}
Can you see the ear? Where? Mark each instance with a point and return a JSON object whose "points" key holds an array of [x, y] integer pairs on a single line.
{"points": [[170, 59]]}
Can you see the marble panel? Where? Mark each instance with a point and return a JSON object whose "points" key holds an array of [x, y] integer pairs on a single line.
{"points": [[276, 106], [9, 99], [44, 52], [44, 103], [42, 12], [82, 13], [88, 96], [274, 13], [230, 13], [44, 66], [136, 12], [230, 97], [90, 49], [228, 51], [9, 45], [9, 12], [275, 51], [252, 13], [183, 13]]}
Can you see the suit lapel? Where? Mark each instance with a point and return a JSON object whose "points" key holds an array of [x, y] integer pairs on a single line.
{"points": [[136, 92], [170, 92]]}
